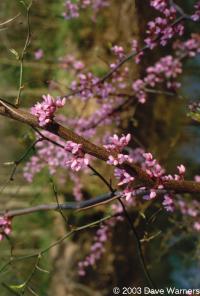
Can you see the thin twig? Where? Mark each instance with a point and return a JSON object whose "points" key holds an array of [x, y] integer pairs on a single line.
{"points": [[57, 200], [183, 16], [27, 42], [138, 245], [24, 155], [17, 162], [101, 177], [10, 20], [82, 205], [59, 241]]}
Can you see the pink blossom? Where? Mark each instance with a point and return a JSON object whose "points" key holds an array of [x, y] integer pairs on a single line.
{"points": [[34, 166], [190, 47], [5, 227], [151, 195], [196, 15], [197, 178], [71, 10], [70, 62], [116, 143], [85, 3], [38, 54], [148, 156], [47, 155], [190, 209], [151, 166], [160, 5], [121, 158], [128, 192], [168, 203], [123, 177], [118, 51], [78, 159], [139, 88], [45, 110], [78, 186], [197, 226], [160, 30], [166, 70], [181, 169], [134, 45], [192, 212], [98, 247]]}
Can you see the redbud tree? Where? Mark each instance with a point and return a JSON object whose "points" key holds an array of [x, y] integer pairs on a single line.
{"points": [[84, 137]]}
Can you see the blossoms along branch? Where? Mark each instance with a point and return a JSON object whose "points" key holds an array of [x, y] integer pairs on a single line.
{"points": [[72, 145]]}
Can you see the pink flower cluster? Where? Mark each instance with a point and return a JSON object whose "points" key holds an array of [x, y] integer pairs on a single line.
{"points": [[148, 164], [45, 110], [125, 180], [87, 86], [191, 209], [98, 248], [161, 30], [84, 84], [116, 145], [152, 167], [47, 155], [87, 126], [155, 171], [197, 178], [70, 62], [32, 167], [196, 15], [119, 78], [78, 159], [54, 158], [181, 172], [159, 5], [5, 227], [72, 10], [188, 48], [99, 4], [118, 51], [135, 48], [168, 203], [39, 54], [123, 177], [77, 186], [164, 71]]}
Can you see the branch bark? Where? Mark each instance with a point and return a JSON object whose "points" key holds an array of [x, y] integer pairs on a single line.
{"points": [[80, 206], [9, 110]]}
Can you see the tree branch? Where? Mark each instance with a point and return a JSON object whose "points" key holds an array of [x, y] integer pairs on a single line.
{"points": [[82, 205], [9, 110]]}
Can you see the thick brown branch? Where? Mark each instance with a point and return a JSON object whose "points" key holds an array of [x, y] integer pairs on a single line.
{"points": [[99, 152]]}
